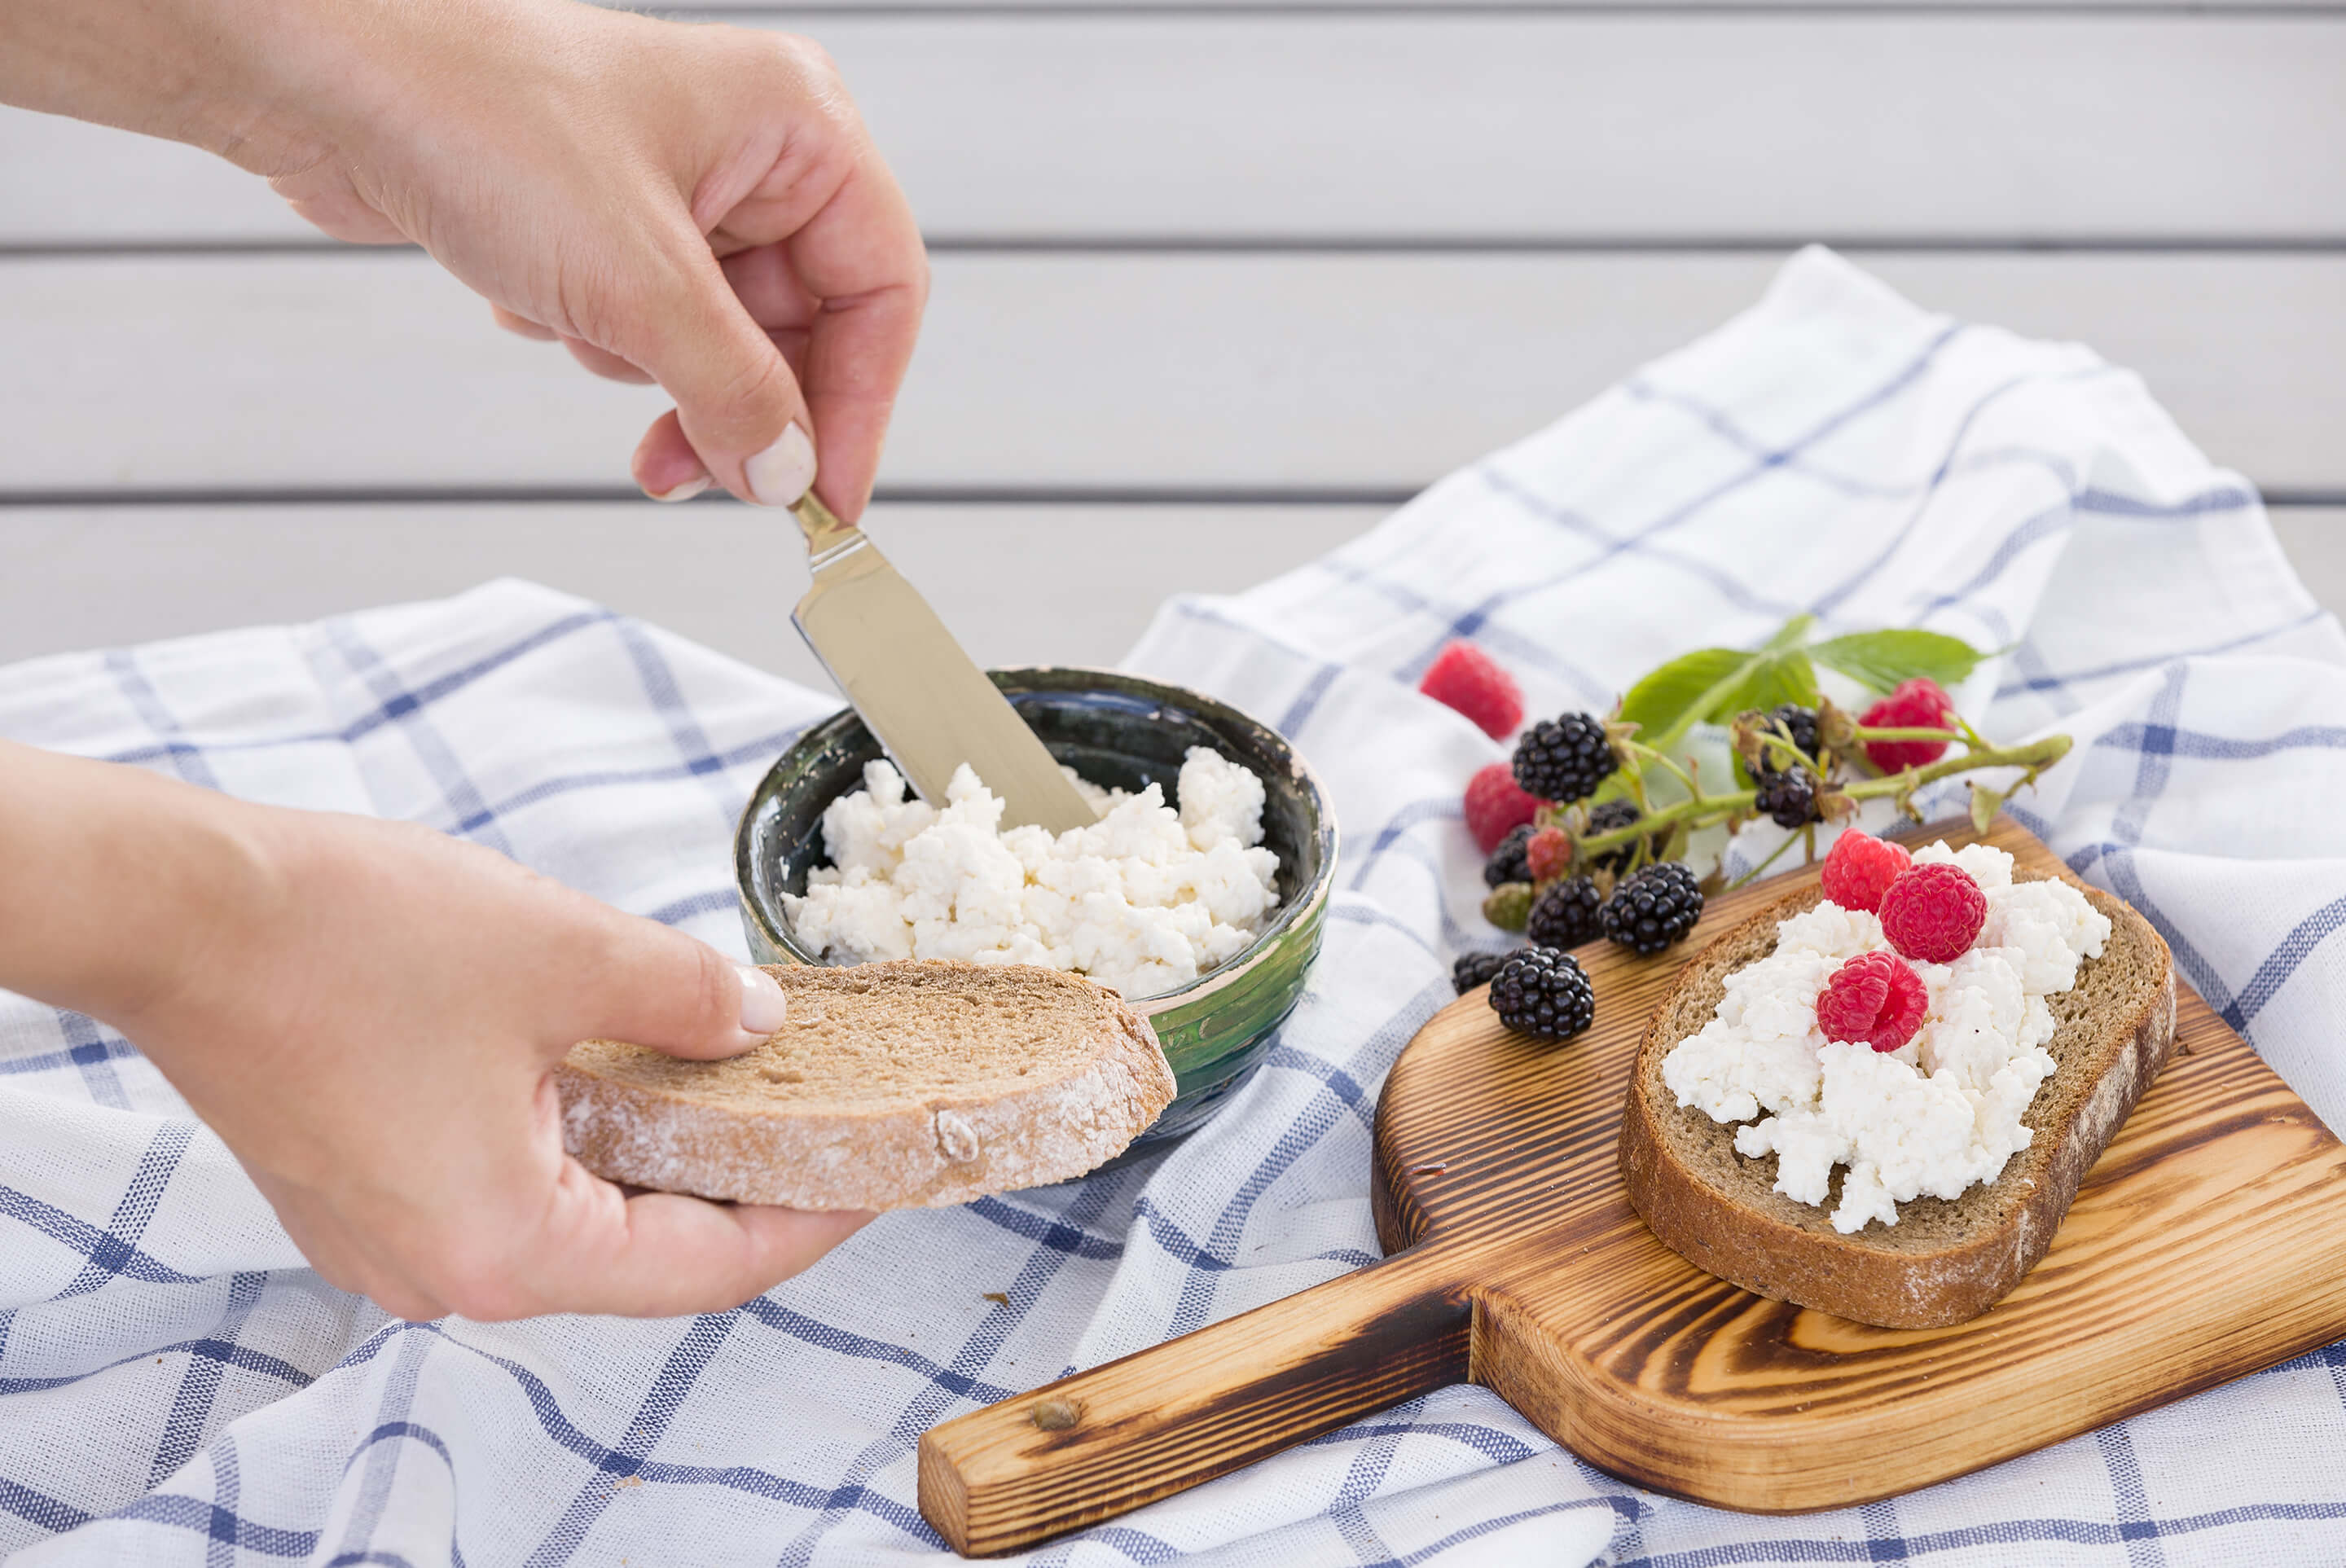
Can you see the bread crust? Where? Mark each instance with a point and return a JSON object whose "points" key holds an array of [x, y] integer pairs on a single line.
{"points": [[923, 1148], [1787, 1252]]}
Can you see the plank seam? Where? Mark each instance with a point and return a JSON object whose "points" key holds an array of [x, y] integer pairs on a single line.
{"points": [[1144, 245], [899, 495]]}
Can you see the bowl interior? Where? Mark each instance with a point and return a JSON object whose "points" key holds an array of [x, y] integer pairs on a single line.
{"points": [[1114, 730]]}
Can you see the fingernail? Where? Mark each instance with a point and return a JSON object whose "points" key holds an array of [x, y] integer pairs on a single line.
{"points": [[684, 492], [763, 1005], [779, 475]]}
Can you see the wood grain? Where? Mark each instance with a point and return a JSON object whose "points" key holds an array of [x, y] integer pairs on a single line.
{"points": [[2201, 1248]]}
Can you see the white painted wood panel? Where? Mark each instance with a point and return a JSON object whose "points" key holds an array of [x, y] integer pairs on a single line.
{"points": [[1668, 125], [2315, 538], [1379, 372], [805, 15], [1066, 584], [96, 576]]}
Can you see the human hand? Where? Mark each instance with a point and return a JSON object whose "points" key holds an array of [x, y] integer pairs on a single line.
{"points": [[368, 1013], [695, 205]]}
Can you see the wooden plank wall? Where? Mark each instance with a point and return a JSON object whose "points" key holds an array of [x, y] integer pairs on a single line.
{"points": [[1217, 283]]}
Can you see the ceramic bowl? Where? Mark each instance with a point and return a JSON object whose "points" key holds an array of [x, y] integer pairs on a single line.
{"points": [[1125, 732]]}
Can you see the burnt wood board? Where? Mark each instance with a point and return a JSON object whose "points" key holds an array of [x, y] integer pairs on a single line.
{"points": [[2202, 1247]]}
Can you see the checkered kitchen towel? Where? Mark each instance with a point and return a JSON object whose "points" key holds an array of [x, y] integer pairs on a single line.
{"points": [[176, 1387]]}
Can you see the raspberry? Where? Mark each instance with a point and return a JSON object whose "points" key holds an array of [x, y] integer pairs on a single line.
{"points": [[1549, 854], [1860, 868], [1917, 704], [1932, 912], [1495, 805], [1874, 1000], [1465, 678]]}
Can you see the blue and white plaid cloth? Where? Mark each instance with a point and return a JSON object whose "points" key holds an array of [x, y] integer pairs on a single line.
{"points": [[174, 1387]]}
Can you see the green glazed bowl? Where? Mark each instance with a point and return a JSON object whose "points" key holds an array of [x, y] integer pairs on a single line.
{"points": [[1125, 732]]}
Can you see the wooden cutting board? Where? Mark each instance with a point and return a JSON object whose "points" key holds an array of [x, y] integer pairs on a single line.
{"points": [[2204, 1246]]}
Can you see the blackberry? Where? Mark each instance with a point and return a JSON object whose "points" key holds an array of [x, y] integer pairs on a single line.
{"points": [[1791, 799], [1802, 723], [1564, 759], [1566, 914], [1654, 908], [1611, 817], [1474, 969], [1544, 993], [1511, 861]]}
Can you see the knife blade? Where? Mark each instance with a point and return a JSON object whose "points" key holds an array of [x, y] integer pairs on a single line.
{"points": [[931, 706]]}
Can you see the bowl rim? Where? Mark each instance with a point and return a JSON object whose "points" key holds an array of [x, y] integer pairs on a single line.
{"points": [[1306, 903]]}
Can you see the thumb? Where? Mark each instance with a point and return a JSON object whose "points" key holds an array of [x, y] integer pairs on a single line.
{"points": [[653, 986], [737, 399]]}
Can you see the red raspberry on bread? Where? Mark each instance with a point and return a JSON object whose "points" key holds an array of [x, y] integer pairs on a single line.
{"points": [[1932, 912], [1496, 805], [1875, 998], [1860, 868], [1465, 678]]}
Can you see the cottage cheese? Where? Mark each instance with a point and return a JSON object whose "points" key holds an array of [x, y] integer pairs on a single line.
{"points": [[1145, 899], [1937, 1116]]}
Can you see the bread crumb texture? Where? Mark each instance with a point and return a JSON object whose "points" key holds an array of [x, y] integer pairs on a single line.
{"points": [[892, 1085]]}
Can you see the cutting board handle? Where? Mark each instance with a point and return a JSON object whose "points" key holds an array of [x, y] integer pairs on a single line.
{"points": [[1105, 1441]]}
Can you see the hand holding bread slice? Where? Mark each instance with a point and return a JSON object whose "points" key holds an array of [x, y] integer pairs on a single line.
{"points": [[892, 1085]]}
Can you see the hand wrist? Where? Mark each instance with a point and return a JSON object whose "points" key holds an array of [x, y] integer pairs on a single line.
{"points": [[120, 884]]}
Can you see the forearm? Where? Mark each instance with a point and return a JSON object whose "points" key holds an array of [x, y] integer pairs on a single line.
{"points": [[113, 881]]}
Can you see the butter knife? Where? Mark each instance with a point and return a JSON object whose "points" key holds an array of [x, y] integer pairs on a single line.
{"points": [[930, 705]]}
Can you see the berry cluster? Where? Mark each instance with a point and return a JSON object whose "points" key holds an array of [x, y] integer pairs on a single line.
{"points": [[1786, 789], [1541, 991], [1565, 758], [1474, 969], [1651, 908]]}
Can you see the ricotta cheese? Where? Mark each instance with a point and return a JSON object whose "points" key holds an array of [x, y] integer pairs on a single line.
{"points": [[1936, 1116], [1143, 900]]}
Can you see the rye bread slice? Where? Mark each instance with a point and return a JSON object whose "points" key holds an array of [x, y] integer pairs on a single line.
{"points": [[1945, 1260], [893, 1086]]}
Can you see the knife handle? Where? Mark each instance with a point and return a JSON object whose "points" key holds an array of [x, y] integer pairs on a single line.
{"points": [[826, 536]]}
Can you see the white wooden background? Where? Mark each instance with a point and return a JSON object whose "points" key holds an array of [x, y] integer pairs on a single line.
{"points": [[1218, 283]]}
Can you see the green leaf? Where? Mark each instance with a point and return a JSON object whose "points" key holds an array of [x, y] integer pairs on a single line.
{"points": [[1883, 658], [1773, 679], [1985, 804], [1791, 634], [1658, 703]]}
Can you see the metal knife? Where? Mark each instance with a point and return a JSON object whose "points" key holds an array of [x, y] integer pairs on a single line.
{"points": [[931, 706]]}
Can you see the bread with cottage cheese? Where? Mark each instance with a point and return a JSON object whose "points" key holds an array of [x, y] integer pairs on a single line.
{"points": [[1945, 1260], [892, 1085]]}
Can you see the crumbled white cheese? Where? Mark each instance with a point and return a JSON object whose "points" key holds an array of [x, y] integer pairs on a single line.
{"points": [[1144, 901], [1937, 1116]]}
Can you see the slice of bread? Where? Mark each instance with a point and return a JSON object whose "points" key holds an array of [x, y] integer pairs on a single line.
{"points": [[1945, 1260], [893, 1086]]}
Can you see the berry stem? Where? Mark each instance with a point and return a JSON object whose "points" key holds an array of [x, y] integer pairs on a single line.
{"points": [[1701, 810], [1863, 733]]}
